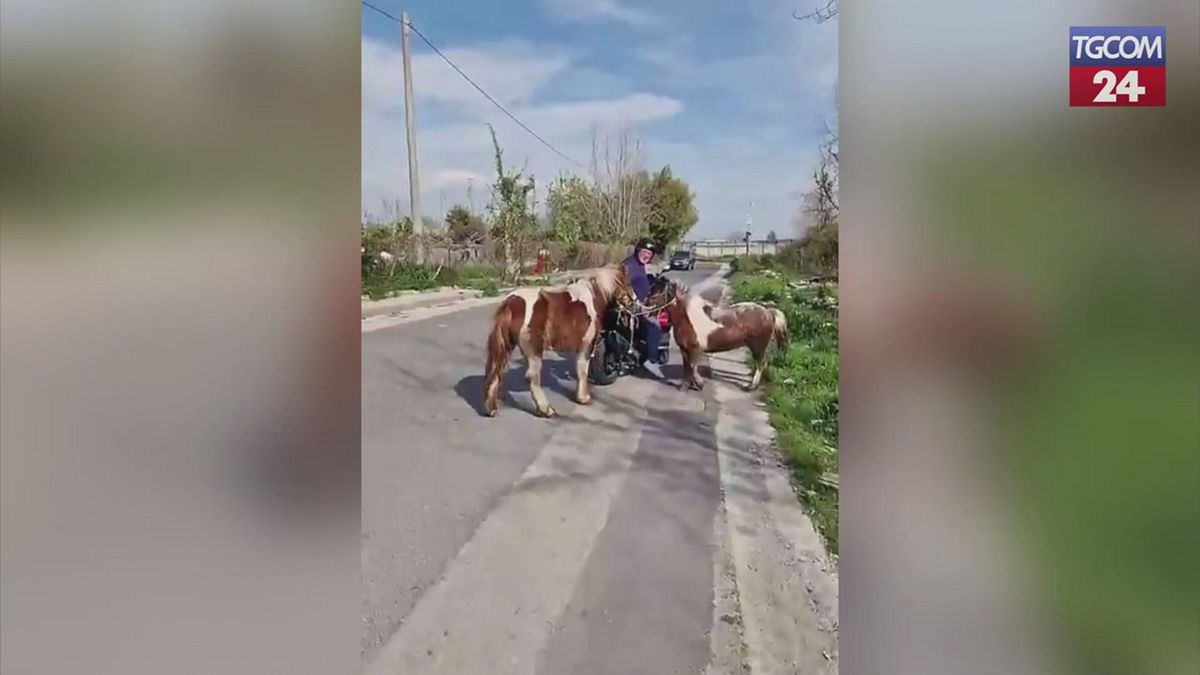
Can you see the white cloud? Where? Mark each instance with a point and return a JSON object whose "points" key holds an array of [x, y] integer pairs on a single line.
{"points": [[454, 154], [797, 66], [567, 120], [727, 173], [783, 84], [512, 72], [585, 82], [602, 10], [457, 179], [453, 144]]}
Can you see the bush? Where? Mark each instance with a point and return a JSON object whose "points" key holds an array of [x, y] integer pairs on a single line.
{"points": [[584, 255], [760, 288], [464, 227], [382, 282], [481, 278], [815, 254], [755, 263], [489, 287]]}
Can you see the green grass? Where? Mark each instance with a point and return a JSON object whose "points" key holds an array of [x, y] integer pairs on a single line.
{"points": [[802, 391], [792, 261], [381, 283]]}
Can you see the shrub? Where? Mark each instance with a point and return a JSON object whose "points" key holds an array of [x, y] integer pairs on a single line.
{"points": [[463, 227], [815, 254], [760, 288]]}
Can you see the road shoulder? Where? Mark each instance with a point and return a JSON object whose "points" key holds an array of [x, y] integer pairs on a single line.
{"points": [[775, 564], [786, 585]]}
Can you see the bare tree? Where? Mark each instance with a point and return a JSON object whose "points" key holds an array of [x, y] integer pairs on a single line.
{"points": [[622, 187], [819, 14], [819, 206], [829, 166]]}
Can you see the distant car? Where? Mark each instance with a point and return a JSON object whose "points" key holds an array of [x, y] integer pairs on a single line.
{"points": [[683, 259]]}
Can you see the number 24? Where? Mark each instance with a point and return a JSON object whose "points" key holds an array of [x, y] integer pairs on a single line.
{"points": [[1128, 86]]}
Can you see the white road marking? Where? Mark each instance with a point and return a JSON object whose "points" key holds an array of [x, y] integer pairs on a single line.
{"points": [[498, 600]]}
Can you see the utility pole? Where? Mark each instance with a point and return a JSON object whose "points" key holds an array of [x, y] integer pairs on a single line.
{"points": [[749, 225], [471, 194], [410, 123]]}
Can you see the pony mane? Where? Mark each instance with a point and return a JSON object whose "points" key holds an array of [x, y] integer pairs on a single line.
{"points": [[604, 281]]}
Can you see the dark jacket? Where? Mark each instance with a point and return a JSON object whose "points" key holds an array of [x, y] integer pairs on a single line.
{"points": [[636, 272]]}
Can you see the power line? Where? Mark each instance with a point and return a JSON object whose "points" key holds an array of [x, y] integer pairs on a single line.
{"points": [[488, 97], [473, 84], [369, 5]]}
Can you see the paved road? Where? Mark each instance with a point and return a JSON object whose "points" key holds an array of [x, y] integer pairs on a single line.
{"points": [[595, 542]]}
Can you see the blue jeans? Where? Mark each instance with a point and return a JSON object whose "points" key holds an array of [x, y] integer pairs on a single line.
{"points": [[652, 333]]}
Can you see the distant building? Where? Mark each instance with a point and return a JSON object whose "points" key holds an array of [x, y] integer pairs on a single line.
{"points": [[724, 248]]}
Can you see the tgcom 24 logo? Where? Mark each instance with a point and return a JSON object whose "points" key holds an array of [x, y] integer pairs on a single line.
{"points": [[1118, 66]]}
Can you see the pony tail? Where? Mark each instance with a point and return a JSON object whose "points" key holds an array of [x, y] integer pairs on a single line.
{"points": [[780, 331], [500, 343]]}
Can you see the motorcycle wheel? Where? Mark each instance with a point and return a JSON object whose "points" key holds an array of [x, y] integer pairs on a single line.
{"points": [[603, 369]]}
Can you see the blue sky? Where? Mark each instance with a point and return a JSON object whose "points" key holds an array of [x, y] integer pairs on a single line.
{"points": [[732, 95]]}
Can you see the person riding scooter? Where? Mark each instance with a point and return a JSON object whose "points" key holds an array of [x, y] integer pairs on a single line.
{"points": [[635, 268]]}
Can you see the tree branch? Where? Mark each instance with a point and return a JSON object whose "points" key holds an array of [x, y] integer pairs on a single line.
{"points": [[820, 14]]}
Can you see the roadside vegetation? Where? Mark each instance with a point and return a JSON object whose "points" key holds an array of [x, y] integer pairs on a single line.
{"points": [[588, 221], [386, 283], [801, 392]]}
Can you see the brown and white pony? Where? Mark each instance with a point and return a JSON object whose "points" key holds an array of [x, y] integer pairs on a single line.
{"points": [[699, 328], [561, 320]]}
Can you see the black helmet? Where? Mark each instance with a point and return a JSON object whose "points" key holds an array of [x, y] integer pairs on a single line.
{"points": [[646, 243]]}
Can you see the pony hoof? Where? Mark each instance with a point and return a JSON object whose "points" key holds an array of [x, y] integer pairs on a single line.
{"points": [[547, 413], [492, 413], [583, 400]]}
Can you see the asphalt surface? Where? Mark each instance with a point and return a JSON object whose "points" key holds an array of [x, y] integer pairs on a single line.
{"points": [[587, 543]]}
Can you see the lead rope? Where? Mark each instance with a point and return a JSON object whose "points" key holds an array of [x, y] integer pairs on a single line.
{"points": [[646, 311], [621, 309]]}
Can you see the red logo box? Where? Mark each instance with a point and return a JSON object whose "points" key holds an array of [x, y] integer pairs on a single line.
{"points": [[1112, 86]]}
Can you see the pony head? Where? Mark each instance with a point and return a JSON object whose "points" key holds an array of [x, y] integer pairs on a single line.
{"points": [[662, 291]]}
